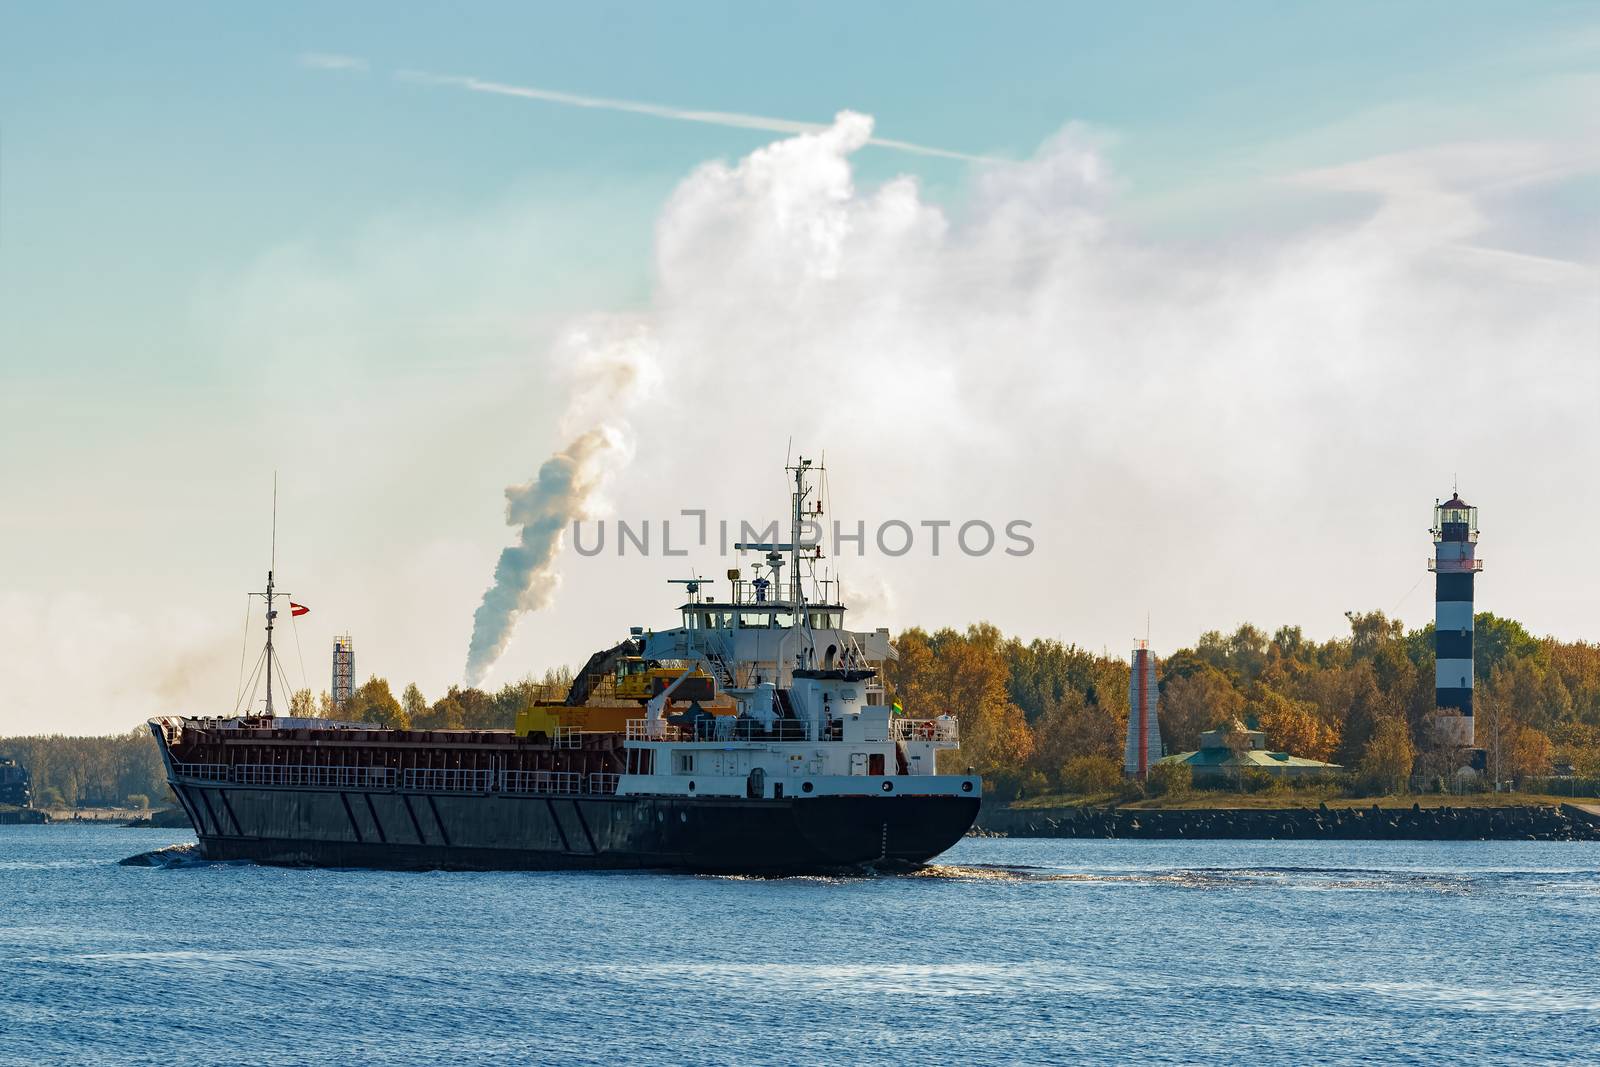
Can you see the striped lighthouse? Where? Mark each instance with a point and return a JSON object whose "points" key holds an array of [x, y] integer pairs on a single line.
{"points": [[1454, 563]]}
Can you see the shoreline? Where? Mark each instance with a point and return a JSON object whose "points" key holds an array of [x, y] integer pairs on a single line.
{"points": [[1528, 822]]}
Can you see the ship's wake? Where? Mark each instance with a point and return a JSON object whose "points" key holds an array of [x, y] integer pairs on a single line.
{"points": [[1241, 878], [170, 857]]}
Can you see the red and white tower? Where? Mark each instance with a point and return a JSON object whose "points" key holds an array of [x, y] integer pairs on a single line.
{"points": [[1144, 731]]}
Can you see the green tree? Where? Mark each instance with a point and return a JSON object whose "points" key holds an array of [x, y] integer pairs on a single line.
{"points": [[1043, 673], [1496, 641], [412, 702], [374, 703], [446, 714]]}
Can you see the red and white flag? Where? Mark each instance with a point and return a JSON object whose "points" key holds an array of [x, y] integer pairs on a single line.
{"points": [[297, 610]]}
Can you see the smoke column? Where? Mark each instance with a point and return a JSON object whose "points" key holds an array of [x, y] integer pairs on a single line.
{"points": [[613, 361]]}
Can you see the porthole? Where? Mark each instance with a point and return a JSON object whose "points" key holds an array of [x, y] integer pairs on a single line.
{"points": [[966, 787], [691, 785], [888, 787], [806, 787], [683, 816]]}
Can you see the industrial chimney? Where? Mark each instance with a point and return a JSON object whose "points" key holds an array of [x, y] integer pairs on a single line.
{"points": [[1144, 732]]}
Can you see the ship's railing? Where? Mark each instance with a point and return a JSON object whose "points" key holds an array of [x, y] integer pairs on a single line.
{"points": [[1455, 566], [646, 730], [728, 728], [566, 737], [305, 774], [449, 779], [721, 728], [433, 779], [201, 772], [941, 729], [558, 782]]}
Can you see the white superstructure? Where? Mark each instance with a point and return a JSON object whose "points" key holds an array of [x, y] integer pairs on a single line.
{"points": [[811, 717]]}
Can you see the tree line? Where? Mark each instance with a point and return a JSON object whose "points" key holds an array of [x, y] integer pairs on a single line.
{"points": [[460, 708], [123, 770], [1043, 716]]}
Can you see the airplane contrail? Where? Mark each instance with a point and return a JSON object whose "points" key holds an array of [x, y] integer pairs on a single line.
{"points": [[662, 111]]}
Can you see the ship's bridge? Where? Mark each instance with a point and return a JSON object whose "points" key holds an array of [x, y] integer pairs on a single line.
{"points": [[747, 641]]}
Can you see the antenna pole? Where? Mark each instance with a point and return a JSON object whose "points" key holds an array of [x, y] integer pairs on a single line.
{"points": [[794, 536], [272, 566]]}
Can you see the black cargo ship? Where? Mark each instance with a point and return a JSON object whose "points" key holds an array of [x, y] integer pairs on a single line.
{"points": [[794, 765]]}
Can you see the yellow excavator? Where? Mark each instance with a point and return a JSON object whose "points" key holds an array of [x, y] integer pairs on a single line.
{"points": [[635, 681]]}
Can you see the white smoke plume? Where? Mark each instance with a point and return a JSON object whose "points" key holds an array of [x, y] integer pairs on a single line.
{"points": [[1027, 353], [613, 365], [1150, 401]]}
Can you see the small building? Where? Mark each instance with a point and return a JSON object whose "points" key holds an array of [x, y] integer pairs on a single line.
{"points": [[14, 784], [1215, 760]]}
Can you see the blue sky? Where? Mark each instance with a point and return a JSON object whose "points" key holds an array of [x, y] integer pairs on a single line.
{"points": [[153, 148], [218, 258]]}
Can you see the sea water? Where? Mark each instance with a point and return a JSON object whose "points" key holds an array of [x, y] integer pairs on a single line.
{"points": [[1008, 951]]}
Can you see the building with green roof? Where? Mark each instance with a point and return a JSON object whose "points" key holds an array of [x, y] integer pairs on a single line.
{"points": [[1216, 759]]}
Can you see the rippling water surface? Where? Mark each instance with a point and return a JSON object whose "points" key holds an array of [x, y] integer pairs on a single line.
{"points": [[1011, 951]]}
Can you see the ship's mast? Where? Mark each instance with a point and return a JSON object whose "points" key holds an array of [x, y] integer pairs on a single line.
{"points": [[795, 548], [272, 565], [797, 512], [271, 658], [794, 532]]}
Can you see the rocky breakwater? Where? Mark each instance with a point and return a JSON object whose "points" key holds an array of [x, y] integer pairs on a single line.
{"points": [[1523, 823]]}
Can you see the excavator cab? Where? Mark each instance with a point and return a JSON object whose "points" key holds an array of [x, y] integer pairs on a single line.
{"points": [[640, 679], [632, 676]]}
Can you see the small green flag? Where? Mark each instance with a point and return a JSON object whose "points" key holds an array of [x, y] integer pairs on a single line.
{"points": [[898, 710]]}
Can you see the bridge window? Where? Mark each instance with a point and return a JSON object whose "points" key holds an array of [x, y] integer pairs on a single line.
{"points": [[755, 620]]}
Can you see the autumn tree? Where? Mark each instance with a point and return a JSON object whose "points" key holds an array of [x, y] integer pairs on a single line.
{"points": [[965, 674], [1292, 726], [1386, 761], [1194, 703], [1091, 774], [1172, 778]]}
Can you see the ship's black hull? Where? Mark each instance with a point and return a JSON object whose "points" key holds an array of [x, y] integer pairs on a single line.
{"points": [[408, 831]]}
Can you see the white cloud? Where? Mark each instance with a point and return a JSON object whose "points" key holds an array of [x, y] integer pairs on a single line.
{"points": [[1209, 431]]}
